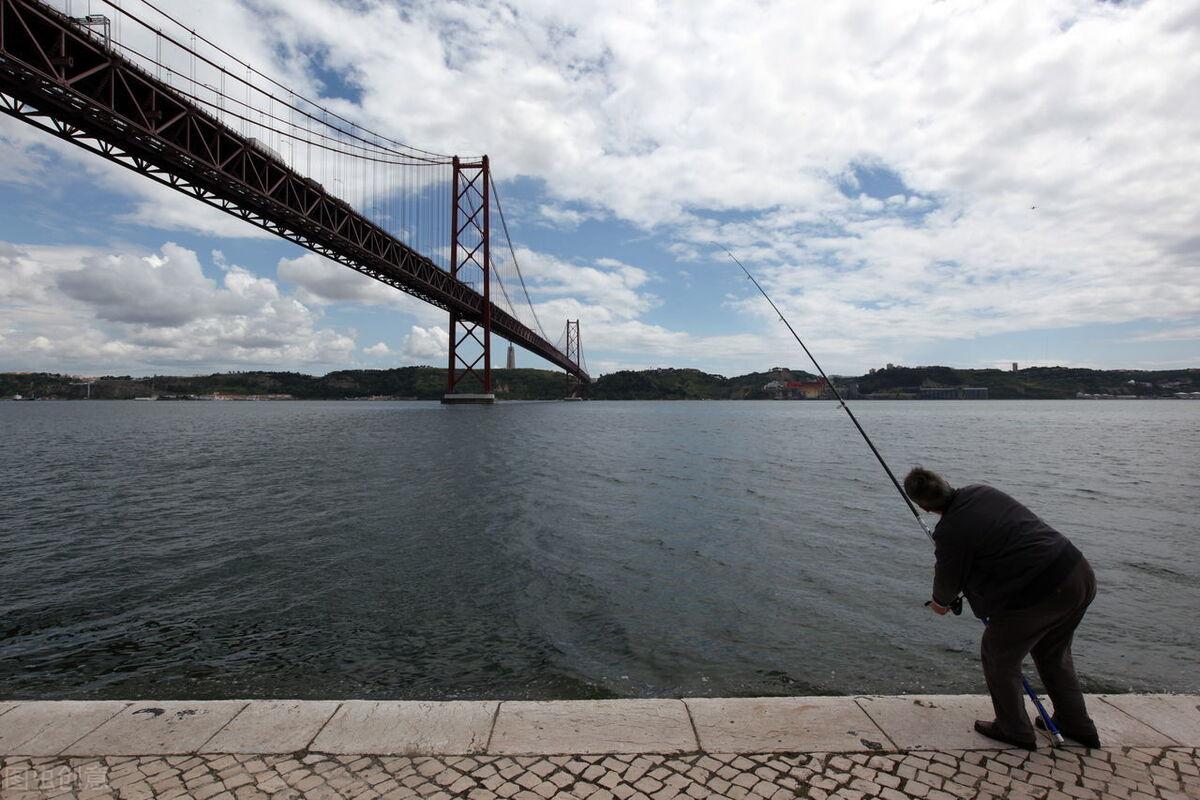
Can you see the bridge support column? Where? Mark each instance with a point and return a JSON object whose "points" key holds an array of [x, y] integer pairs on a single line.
{"points": [[469, 373], [574, 355]]}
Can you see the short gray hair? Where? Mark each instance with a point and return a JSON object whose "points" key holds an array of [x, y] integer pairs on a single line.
{"points": [[928, 489]]}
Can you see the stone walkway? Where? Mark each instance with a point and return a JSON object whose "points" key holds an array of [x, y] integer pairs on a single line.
{"points": [[885, 747], [1140, 773]]}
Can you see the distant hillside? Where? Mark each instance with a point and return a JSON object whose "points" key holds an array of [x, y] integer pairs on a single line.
{"points": [[418, 383], [428, 383], [1035, 382], [683, 384]]}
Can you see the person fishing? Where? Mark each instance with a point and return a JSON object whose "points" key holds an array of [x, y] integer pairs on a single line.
{"points": [[1068, 691], [1031, 586]]}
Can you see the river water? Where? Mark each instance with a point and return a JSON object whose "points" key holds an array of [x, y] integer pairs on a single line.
{"points": [[560, 550]]}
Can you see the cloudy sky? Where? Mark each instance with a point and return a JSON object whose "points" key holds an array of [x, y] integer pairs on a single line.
{"points": [[960, 183]]}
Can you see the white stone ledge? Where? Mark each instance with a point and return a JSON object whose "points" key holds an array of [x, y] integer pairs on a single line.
{"points": [[592, 727], [785, 725], [717, 725], [407, 728]]}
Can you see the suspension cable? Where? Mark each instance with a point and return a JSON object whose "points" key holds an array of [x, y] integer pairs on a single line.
{"points": [[437, 158], [219, 111], [517, 264], [279, 85]]}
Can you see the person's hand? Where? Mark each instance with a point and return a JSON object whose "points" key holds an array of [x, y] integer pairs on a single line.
{"points": [[937, 608]]}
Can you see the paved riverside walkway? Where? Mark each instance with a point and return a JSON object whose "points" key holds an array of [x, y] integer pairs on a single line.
{"points": [[850, 747]]}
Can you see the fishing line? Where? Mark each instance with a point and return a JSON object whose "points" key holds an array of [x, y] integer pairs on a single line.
{"points": [[1055, 734]]}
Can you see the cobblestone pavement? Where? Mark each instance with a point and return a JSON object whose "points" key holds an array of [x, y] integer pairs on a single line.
{"points": [[1163, 773]]}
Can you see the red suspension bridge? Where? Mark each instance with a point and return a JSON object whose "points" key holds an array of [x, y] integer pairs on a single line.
{"points": [[139, 88]]}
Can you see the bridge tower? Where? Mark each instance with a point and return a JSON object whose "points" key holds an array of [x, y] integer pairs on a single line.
{"points": [[470, 233], [574, 355]]}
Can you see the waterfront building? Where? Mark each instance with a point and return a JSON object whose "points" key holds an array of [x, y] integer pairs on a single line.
{"points": [[798, 390], [808, 390]]}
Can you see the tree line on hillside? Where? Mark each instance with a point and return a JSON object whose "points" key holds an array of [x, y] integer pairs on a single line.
{"points": [[1035, 383], [429, 383]]}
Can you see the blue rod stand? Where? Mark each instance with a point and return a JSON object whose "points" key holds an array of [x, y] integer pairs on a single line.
{"points": [[1056, 736]]}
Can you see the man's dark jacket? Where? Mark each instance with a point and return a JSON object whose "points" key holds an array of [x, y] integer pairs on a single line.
{"points": [[997, 552]]}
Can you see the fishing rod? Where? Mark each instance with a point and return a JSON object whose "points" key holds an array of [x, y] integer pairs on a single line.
{"points": [[956, 606], [916, 514]]}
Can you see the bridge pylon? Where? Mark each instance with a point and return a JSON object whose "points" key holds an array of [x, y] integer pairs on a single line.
{"points": [[469, 373], [574, 350]]}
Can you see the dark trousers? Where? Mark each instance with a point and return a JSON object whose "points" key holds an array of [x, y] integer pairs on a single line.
{"points": [[1046, 631]]}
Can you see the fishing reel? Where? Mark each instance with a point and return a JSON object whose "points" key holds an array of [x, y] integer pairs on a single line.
{"points": [[955, 605]]}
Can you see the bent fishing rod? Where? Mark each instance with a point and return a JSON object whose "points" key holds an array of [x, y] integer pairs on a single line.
{"points": [[916, 514], [1055, 734]]}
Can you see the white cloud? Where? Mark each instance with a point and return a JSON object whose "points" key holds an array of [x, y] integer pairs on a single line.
{"points": [[1185, 333], [68, 308], [425, 345], [165, 291], [377, 349], [613, 287], [166, 209], [323, 282], [561, 216], [21, 160]]}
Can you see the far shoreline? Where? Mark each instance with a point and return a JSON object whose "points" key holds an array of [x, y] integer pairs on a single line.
{"points": [[428, 383]]}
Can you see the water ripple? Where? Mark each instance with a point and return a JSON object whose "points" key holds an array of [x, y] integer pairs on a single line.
{"points": [[537, 550]]}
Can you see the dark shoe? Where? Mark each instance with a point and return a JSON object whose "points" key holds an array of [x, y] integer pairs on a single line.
{"points": [[1091, 740], [992, 731]]}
